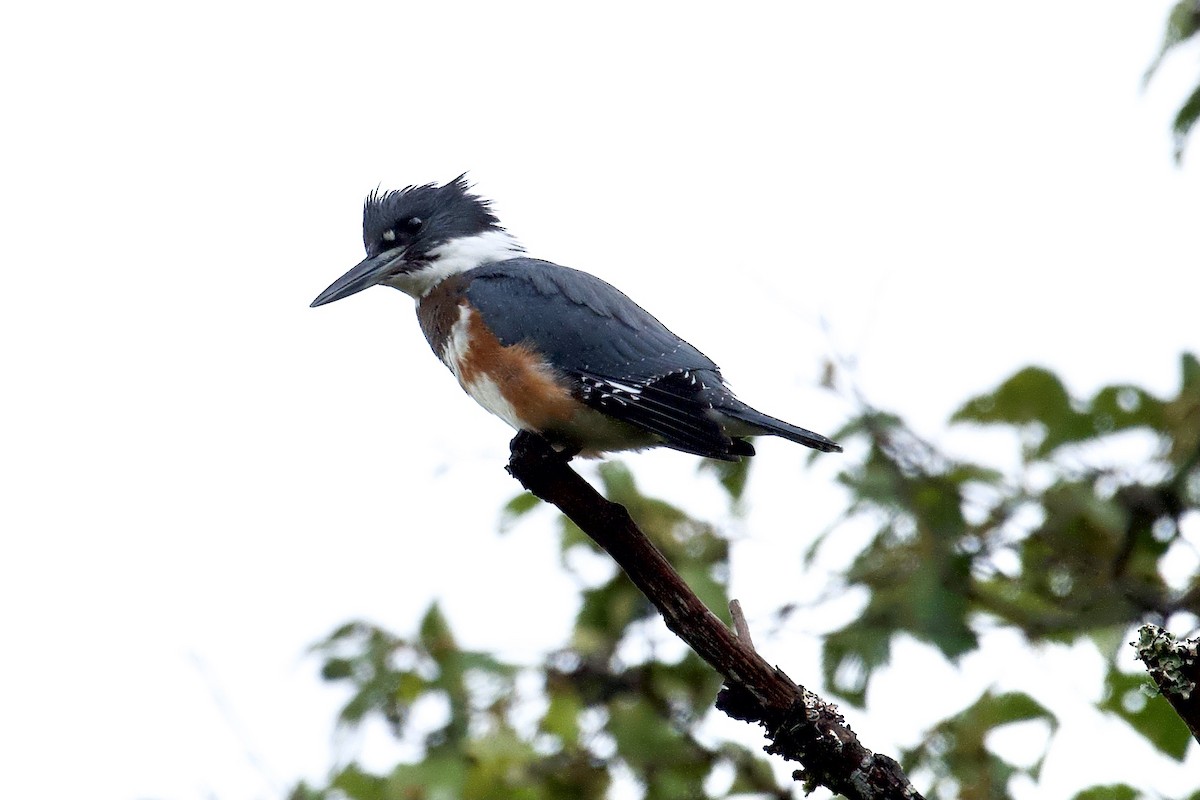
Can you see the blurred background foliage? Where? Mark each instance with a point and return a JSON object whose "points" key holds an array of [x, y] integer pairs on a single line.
{"points": [[1069, 545], [1183, 23]]}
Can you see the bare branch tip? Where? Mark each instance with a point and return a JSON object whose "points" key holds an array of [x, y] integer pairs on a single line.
{"points": [[740, 626]]}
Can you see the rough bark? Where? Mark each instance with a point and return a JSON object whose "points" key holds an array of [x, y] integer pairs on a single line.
{"points": [[801, 726], [1175, 667]]}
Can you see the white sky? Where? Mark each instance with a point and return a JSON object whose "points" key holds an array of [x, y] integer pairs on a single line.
{"points": [[202, 476]]}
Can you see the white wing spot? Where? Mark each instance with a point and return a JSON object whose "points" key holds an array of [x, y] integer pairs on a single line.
{"points": [[609, 391], [626, 388]]}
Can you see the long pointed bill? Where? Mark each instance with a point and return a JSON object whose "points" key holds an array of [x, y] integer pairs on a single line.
{"points": [[365, 274]]}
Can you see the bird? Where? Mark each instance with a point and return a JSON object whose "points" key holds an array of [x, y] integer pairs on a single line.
{"points": [[551, 350]]}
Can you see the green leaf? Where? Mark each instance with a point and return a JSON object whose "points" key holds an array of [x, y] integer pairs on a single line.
{"points": [[436, 777], [753, 774], [605, 614], [962, 473], [995, 710], [940, 614], [1185, 119], [711, 591], [1133, 698], [1109, 640], [302, 791], [343, 631], [562, 716], [409, 687], [850, 656], [1032, 395], [486, 662], [357, 708], [1189, 368], [1182, 23], [732, 475], [516, 508], [689, 683], [1115, 791], [434, 631], [871, 422], [572, 536], [656, 518], [501, 764], [682, 780], [1120, 407], [644, 736], [619, 485], [336, 669], [359, 785]]}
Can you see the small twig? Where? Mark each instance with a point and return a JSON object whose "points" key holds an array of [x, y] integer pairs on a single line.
{"points": [[739, 625], [801, 726]]}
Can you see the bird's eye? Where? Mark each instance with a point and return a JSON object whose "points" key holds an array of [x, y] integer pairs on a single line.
{"points": [[402, 232]]}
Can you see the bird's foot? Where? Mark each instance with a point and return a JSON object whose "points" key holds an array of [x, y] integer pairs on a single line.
{"points": [[527, 444]]}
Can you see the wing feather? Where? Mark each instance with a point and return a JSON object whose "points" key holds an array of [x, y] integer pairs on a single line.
{"points": [[619, 358]]}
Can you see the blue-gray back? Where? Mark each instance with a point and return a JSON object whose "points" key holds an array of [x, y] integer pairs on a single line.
{"points": [[579, 322]]}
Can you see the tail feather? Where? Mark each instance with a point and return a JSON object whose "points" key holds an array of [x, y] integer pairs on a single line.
{"points": [[760, 423]]}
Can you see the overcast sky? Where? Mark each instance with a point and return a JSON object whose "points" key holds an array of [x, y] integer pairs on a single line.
{"points": [[203, 476]]}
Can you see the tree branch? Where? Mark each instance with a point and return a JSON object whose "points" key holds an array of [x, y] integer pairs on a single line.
{"points": [[801, 726], [1175, 668]]}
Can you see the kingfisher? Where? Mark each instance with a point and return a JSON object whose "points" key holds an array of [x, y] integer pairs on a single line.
{"points": [[550, 350]]}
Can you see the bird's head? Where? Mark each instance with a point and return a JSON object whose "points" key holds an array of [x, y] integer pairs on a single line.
{"points": [[419, 235]]}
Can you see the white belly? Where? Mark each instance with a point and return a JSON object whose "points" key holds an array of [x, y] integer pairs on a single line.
{"points": [[578, 425]]}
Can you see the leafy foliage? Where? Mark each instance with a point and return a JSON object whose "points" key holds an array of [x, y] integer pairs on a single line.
{"points": [[955, 751], [1082, 543], [1183, 23], [601, 713], [1131, 698], [1070, 546], [1067, 546]]}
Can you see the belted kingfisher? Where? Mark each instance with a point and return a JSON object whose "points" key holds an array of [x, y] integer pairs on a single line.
{"points": [[548, 349]]}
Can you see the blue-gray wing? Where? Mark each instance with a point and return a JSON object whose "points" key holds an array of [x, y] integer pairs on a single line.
{"points": [[617, 357]]}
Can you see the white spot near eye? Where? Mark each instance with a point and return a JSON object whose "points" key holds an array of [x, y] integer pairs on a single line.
{"points": [[389, 236], [458, 255]]}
